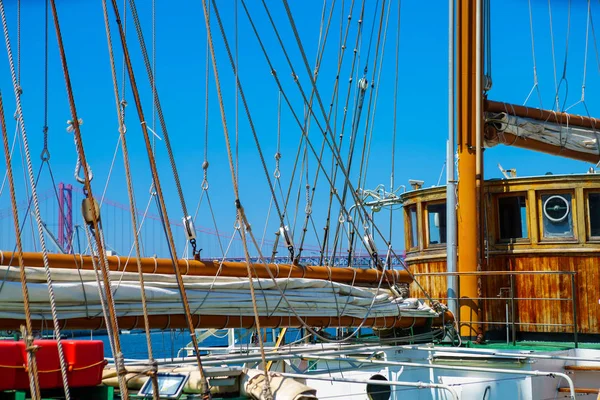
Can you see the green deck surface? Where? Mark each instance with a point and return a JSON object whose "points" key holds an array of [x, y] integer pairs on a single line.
{"points": [[532, 345]]}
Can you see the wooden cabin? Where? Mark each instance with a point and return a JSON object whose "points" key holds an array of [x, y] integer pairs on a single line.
{"points": [[546, 225]]}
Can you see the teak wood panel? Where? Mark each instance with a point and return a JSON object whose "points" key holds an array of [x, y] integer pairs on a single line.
{"points": [[435, 286], [587, 283]]}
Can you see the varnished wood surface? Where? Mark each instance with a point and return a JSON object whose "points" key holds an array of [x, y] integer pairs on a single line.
{"points": [[532, 314]]}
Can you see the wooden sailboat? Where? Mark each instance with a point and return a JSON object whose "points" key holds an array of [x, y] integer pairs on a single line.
{"points": [[504, 236]]}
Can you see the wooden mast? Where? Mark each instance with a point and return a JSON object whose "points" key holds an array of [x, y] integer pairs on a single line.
{"points": [[468, 212]]}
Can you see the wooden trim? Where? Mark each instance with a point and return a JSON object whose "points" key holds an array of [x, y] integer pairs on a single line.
{"points": [[534, 231], [420, 226], [408, 231], [584, 251], [426, 243], [582, 368], [581, 216], [579, 390], [496, 217], [588, 215], [540, 215]]}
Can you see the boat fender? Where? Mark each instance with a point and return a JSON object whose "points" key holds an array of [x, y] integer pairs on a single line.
{"points": [[282, 388]]}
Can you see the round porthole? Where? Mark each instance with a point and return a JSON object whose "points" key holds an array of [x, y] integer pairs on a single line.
{"points": [[378, 392], [556, 208]]}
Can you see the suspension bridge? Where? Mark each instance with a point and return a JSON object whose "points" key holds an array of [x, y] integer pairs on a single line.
{"points": [[64, 231]]}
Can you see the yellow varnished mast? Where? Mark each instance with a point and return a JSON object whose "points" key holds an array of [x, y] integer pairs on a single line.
{"points": [[469, 121]]}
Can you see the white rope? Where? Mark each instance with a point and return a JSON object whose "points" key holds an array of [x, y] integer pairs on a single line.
{"points": [[12, 149], [36, 205]]}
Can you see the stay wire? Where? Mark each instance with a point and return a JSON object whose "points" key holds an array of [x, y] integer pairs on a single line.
{"points": [[132, 204], [368, 135], [564, 73], [312, 149], [307, 119], [159, 194], [241, 217], [332, 147], [335, 151], [96, 224], [156, 101], [28, 336], [535, 86], [248, 115], [35, 199], [395, 115], [335, 164], [45, 155]]}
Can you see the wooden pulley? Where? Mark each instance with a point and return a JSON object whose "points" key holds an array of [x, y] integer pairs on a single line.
{"points": [[86, 210]]}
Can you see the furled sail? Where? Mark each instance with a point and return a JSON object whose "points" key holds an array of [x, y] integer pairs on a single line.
{"points": [[552, 132]]}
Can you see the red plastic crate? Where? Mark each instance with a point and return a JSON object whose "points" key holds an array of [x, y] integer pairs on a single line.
{"points": [[10, 363], [85, 359], [48, 365]]}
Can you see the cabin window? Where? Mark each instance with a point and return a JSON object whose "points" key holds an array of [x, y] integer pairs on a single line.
{"points": [[594, 214], [512, 214], [414, 234], [557, 215], [436, 214]]}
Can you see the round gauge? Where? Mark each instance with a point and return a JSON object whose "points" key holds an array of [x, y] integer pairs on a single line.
{"points": [[556, 208]]}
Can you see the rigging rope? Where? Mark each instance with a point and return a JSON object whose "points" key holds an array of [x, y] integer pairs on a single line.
{"points": [[45, 155], [241, 217], [122, 130], [335, 153], [535, 86], [157, 186], [95, 218], [36, 206], [156, 101], [395, 118], [27, 337], [564, 74]]}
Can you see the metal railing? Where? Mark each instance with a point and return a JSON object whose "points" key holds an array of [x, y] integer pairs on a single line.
{"points": [[512, 299]]}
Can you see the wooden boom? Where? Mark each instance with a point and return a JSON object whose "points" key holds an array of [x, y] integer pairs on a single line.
{"points": [[363, 277], [559, 118]]}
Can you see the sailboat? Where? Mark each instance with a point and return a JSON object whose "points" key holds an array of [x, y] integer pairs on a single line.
{"points": [[465, 242]]}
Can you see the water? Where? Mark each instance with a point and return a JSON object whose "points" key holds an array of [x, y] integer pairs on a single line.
{"points": [[166, 344]]}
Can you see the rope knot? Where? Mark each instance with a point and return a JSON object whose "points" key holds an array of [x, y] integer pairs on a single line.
{"points": [[153, 367], [71, 124], [205, 165], [120, 364]]}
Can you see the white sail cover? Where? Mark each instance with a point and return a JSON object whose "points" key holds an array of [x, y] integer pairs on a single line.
{"points": [[77, 296], [584, 140]]}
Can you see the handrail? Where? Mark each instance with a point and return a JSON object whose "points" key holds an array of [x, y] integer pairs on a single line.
{"points": [[511, 274], [496, 273]]}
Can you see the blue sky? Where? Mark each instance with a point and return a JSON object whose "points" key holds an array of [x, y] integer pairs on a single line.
{"points": [[180, 74]]}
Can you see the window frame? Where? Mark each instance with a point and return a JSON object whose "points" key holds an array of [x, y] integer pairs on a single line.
{"points": [[499, 239], [540, 216], [425, 212], [588, 215], [409, 231]]}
